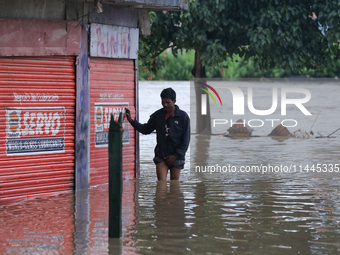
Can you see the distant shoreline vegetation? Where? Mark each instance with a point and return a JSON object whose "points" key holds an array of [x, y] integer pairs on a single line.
{"points": [[171, 68]]}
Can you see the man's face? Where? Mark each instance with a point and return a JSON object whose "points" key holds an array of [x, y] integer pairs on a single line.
{"points": [[168, 104]]}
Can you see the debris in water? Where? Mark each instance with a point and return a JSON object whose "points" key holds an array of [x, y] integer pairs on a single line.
{"points": [[239, 129], [300, 134], [280, 130]]}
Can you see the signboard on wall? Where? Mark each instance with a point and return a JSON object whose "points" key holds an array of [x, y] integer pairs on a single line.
{"points": [[35, 130], [102, 119], [114, 42]]}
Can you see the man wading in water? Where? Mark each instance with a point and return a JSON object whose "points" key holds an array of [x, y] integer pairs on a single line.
{"points": [[173, 135]]}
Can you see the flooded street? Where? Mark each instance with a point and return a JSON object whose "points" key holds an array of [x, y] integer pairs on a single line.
{"points": [[227, 212]]}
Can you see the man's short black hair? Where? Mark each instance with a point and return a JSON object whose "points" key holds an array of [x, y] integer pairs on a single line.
{"points": [[168, 93]]}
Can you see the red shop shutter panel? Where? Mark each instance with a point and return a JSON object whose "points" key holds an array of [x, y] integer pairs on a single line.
{"points": [[37, 109], [112, 83]]}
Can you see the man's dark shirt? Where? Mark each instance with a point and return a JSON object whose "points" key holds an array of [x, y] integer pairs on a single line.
{"points": [[178, 138]]}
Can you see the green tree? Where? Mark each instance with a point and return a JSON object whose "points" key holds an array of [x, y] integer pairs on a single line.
{"points": [[275, 33]]}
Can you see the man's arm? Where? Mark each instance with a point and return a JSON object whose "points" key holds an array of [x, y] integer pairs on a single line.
{"points": [[146, 128]]}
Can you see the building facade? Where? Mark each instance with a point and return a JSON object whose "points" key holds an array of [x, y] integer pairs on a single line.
{"points": [[65, 67]]}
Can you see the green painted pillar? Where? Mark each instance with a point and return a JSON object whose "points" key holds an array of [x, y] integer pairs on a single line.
{"points": [[115, 177]]}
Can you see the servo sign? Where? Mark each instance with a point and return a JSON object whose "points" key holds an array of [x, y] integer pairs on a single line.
{"points": [[35, 130]]}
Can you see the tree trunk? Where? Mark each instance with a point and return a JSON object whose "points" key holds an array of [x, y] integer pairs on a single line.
{"points": [[203, 122]]}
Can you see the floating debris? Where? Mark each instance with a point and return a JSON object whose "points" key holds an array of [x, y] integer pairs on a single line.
{"points": [[281, 131], [328, 136], [239, 129], [300, 134]]}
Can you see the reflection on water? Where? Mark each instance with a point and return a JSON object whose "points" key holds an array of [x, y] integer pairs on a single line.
{"points": [[203, 213], [163, 230], [38, 226]]}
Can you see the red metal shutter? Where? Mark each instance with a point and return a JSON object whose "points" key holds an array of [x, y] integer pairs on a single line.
{"points": [[37, 108], [112, 83]]}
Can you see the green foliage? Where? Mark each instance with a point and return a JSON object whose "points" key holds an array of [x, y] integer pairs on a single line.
{"points": [[238, 67], [174, 68], [179, 68], [269, 33], [170, 68]]}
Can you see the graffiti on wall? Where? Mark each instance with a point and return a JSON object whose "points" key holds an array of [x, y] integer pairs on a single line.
{"points": [[114, 42]]}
